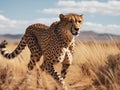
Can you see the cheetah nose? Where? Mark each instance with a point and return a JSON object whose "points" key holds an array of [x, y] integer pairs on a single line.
{"points": [[76, 29]]}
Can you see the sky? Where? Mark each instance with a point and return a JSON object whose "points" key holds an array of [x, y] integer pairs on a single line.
{"points": [[101, 16]]}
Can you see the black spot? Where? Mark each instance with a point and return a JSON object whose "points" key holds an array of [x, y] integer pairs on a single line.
{"points": [[36, 55], [56, 57], [2, 52], [2, 46], [18, 48], [13, 55], [6, 54], [22, 45], [34, 44], [53, 60], [33, 61], [49, 70], [63, 71], [30, 67], [16, 51], [52, 73], [56, 77], [37, 60], [24, 42], [55, 73]]}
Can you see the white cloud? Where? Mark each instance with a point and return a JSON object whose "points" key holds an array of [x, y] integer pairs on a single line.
{"points": [[52, 11], [7, 22], [3, 18], [47, 21], [110, 8], [100, 28], [62, 10], [16, 26], [11, 26], [68, 4]]}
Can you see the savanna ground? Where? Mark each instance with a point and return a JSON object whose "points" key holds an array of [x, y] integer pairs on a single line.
{"points": [[96, 66]]}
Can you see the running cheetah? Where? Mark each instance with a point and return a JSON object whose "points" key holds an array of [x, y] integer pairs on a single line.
{"points": [[54, 42]]}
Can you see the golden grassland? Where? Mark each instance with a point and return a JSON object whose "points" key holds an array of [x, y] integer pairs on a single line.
{"points": [[96, 66]]}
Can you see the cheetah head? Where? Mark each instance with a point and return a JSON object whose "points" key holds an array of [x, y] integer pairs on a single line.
{"points": [[72, 23]]}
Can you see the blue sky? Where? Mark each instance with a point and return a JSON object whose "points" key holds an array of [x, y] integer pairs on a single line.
{"points": [[102, 16]]}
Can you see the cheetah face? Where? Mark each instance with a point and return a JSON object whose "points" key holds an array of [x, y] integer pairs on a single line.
{"points": [[72, 22], [76, 24]]}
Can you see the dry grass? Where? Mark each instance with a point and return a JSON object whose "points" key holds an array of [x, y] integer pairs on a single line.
{"points": [[96, 66]]}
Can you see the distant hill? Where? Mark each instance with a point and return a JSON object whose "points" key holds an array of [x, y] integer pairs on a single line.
{"points": [[90, 35], [11, 36], [84, 35]]}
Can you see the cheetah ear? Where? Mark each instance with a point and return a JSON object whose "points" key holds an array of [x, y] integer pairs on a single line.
{"points": [[61, 16], [82, 16]]}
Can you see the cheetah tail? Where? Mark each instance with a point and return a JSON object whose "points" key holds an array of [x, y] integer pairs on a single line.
{"points": [[17, 51]]}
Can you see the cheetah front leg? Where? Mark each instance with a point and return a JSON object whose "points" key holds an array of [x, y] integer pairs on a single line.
{"points": [[48, 66], [68, 60], [66, 63]]}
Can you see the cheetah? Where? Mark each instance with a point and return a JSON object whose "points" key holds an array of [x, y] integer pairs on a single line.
{"points": [[54, 42]]}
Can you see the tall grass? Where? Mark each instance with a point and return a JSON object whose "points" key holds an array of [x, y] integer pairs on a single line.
{"points": [[96, 66], [101, 63]]}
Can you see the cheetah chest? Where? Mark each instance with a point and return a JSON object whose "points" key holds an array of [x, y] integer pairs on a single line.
{"points": [[65, 54]]}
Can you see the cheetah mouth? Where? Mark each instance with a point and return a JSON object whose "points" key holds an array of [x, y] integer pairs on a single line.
{"points": [[74, 32]]}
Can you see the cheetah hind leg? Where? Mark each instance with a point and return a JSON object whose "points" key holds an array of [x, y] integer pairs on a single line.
{"points": [[36, 54], [35, 50]]}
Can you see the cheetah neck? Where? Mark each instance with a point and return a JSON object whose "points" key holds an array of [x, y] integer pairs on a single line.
{"points": [[62, 37]]}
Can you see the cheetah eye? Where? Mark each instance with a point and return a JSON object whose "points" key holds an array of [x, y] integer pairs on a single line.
{"points": [[79, 21]]}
